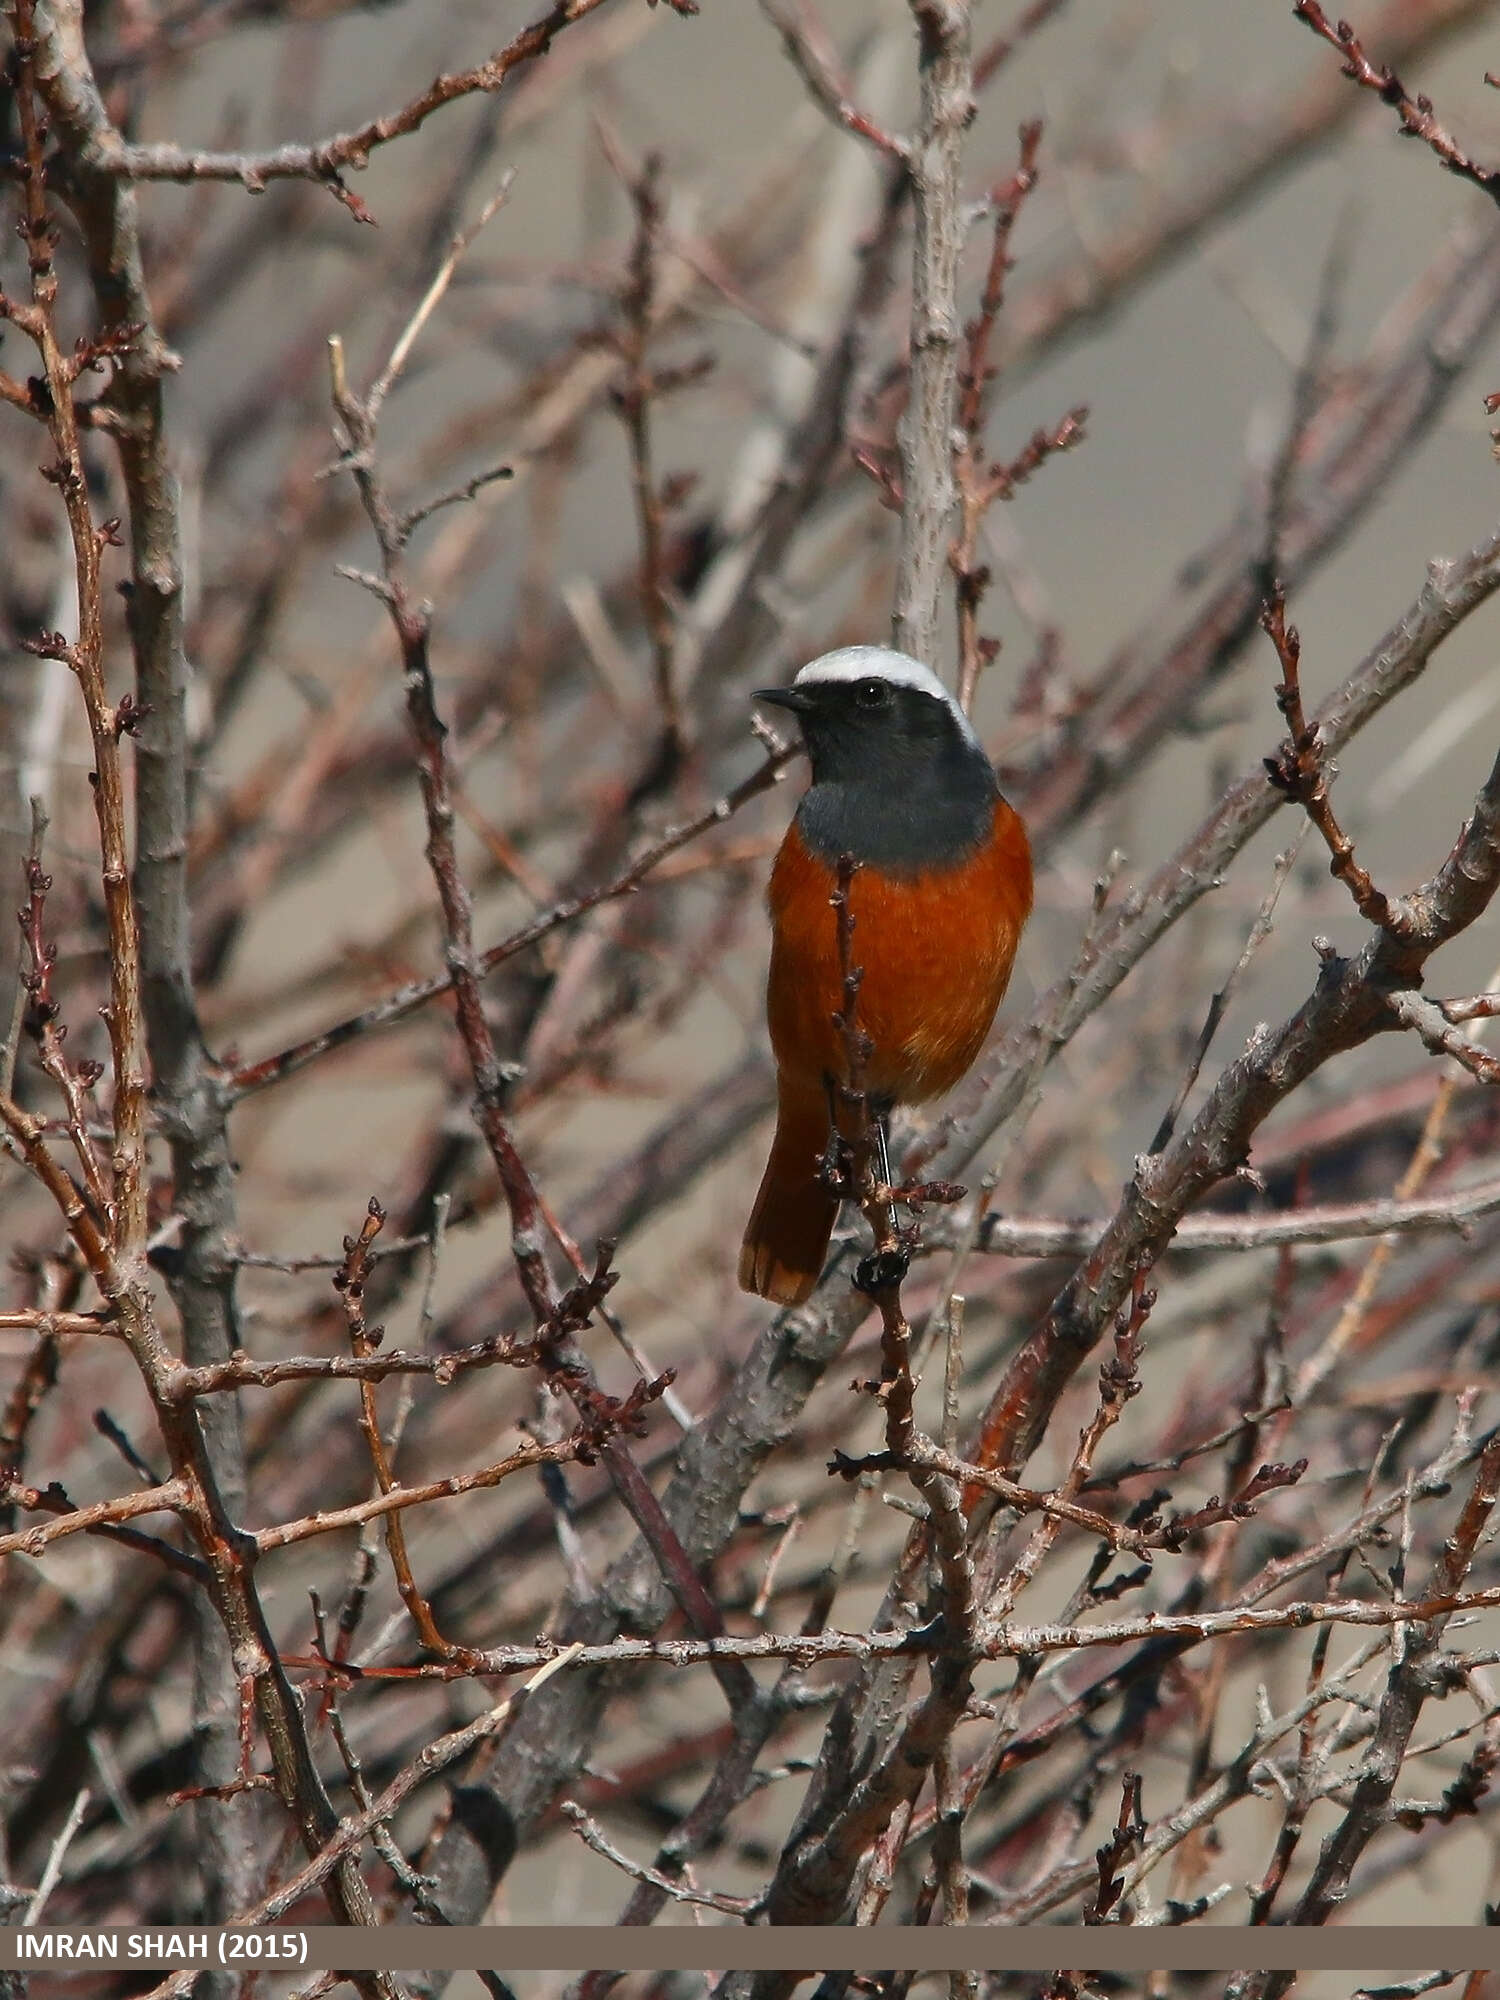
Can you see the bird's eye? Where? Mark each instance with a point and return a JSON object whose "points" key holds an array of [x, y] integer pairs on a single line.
{"points": [[872, 693]]}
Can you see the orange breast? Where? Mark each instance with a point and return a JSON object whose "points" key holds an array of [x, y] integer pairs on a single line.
{"points": [[936, 949]]}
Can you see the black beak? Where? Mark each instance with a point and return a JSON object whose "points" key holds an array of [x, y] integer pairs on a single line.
{"points": [[788, 697]]}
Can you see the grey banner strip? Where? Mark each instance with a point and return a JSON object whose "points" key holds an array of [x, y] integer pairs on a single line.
{"points": [[555, 1948]]}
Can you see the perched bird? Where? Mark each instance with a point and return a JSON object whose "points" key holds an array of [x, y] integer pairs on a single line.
{"points": [[941, 890]]}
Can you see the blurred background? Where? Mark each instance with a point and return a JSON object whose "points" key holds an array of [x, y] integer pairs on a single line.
{"points": [[1229, 246]]}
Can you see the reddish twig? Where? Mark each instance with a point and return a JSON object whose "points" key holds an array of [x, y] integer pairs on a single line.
{"points": [[975, 492], [1126, 1839], [327, 161], [1418, 120], [411, 619], [1268, 1479], [806, 42], [1299, 771], [408, 999], [85, 658], [349, 1282], [49, 1034], [1119, 1384], [993, 57]]}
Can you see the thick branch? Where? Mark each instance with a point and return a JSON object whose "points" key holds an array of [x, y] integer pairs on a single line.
{"points": [[925, 433], [1348, 1005], [188, 1095]]}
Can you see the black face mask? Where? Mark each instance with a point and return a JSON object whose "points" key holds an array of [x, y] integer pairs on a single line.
{"points": [[898, 781]]}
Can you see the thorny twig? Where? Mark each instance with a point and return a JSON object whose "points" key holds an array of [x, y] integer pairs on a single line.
{"points": [[639, 386], [565, 1367], [399, 1005], [49, 1033], [349, 1282], [1209, 1563], [327, 161], [1298, 768], [1418, 120], [980, 482]]}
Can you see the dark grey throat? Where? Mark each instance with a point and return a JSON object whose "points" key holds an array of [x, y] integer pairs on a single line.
{"points": [[904, 789]]}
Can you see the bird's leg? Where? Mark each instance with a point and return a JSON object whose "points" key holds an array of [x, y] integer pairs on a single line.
{"points": [[915, 1192], [834, 1170], [888, 1263], [881, 1119]]}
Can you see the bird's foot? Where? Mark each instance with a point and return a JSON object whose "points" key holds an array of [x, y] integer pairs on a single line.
{"points": [[882, 1271]]}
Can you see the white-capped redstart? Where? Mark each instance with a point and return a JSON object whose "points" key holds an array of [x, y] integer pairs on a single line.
{"points": [[940, 892]]}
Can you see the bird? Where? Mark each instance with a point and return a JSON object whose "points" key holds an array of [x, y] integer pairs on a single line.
{"points": [[941, 890]]}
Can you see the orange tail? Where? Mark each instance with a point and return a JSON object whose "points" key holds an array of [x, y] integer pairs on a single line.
{"points": [[786, 1238]]}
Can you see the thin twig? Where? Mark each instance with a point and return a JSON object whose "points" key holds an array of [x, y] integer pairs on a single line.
{"points": [[408, 999], [56, 1855], [1418, 120], [326, 161], [592, 1835], [1298, 768]]}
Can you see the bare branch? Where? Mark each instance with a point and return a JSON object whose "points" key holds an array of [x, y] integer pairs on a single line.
{"points": [[327, 161], [1298, 768], [806, 42], [398, 1006], [924, 432], [1416, 114]]}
